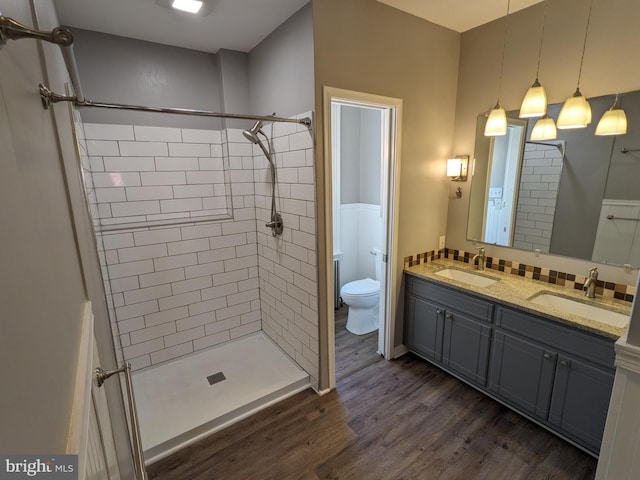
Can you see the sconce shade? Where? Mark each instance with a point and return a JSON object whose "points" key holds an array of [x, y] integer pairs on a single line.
{"points": [[575, 113], [534, 103], [613, 122], [457, 167], [496, 123], [454, 167], [544, 129]]}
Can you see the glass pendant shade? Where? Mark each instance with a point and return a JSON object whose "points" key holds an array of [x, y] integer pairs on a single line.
{"points": [[496, 123], [534, 103], [575, 113], [613, 122], [544, 129]]}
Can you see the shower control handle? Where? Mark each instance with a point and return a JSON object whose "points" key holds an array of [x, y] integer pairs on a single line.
{"points": [[276, 225]]}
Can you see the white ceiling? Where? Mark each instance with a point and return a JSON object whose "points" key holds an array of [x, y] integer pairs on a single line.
{"points": [[233, 24], [243, 24], [459, 15]]}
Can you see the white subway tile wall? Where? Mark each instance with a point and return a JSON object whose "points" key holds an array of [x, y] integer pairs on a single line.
{"points": [[145, 174], [179, 288], [287, 264], [540, 178]]}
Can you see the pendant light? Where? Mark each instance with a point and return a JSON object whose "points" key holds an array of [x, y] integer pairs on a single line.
{"points": [[544, 129], [576, 111], [497, 121], [534, 103], [613, 122]]}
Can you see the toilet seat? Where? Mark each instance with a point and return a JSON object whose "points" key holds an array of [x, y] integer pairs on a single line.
{"points": [[361, 288]]}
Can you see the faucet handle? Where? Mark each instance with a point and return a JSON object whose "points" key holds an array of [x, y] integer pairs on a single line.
{"points": [[480, 249], [593, 272]]}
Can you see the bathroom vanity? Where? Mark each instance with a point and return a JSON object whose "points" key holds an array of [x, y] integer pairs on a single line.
{"points": [[551, 367]]}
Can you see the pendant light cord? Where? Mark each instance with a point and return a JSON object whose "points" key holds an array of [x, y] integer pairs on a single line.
{"points": [[584, 45], [504, 47], [544, 22]]}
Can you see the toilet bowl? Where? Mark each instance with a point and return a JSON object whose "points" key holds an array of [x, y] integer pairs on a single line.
{"points": [[363, 298]]}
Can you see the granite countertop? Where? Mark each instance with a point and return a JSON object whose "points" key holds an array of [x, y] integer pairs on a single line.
{"points": [[518, 291]]}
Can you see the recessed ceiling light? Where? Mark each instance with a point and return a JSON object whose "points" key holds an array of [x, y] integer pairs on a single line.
{"points": [[191, 6], [201, 8]]}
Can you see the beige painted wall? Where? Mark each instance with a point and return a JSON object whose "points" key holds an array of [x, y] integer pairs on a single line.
{"points": [[48, 255], [608, 68], [43, 295], [366, 46]]}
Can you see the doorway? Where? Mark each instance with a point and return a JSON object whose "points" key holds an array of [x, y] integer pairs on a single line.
{"points": [[362, 139], [505, 162]]}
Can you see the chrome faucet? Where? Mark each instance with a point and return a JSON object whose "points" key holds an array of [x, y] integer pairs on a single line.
{"points": [[590, 284], [479, 259]]}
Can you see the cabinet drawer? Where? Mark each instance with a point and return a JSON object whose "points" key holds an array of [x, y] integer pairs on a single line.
{"points": [[461, 302], [584, 344]]}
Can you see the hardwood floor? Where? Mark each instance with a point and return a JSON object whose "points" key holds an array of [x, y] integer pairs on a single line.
{"points": [[403, 419]]}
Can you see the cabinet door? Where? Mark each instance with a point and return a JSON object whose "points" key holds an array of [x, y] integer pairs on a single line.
{"points": [[522, 373], [580, 401], [424, 325], [466, 346]]}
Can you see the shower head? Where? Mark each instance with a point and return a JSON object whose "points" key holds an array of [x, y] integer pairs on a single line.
{"points": [[252, 134]]}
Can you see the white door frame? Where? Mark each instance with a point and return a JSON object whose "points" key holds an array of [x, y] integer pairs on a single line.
{"points": [[392, 186]]}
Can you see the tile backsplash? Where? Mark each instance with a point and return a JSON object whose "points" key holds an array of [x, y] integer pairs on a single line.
{"points": [[569, 281]]}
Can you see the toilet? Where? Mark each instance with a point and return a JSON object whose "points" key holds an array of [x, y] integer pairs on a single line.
{"points": [[363, 298]]}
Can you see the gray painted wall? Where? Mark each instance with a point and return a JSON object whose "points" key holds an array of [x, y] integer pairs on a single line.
{"points": [[123, 70], [582, 184], [370, 152], [624, 173], [360, 152], [281, 69], [233, 67], [349, 155]]}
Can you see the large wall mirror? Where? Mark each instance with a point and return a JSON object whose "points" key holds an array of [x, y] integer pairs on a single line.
{"points": [[577, 195]]}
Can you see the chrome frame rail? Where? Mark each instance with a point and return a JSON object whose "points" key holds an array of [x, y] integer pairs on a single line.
{"points": [[13, 30], [48, 98]]}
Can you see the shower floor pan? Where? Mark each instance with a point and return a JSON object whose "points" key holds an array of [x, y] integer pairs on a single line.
{"points": [[185, 400]]}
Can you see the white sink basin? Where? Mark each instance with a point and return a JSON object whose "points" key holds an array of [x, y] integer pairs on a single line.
{"points": [[466, 277], [574, 307]]}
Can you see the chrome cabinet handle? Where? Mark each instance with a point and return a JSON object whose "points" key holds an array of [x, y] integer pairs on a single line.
{"points": [[565, 363], [438, 311], [547, 356], [449, 316]]}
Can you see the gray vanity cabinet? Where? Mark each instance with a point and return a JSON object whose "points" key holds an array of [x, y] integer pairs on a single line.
{"points": [[556, 374], [423, 328], [522, 373], [450, 328], [466, 346], [581, 394]]}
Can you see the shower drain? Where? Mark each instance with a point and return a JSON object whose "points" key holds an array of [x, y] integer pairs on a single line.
{"points": [[216, 378]]}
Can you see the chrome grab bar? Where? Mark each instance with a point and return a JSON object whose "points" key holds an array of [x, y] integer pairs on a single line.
{"points": [[13, 30], [138, 453], [613, 217]]}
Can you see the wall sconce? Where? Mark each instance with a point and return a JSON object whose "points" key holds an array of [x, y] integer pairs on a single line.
{"points": [[457, 168]]}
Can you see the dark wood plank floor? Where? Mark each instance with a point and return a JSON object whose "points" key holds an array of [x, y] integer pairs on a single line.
{"points": [[399, 420]]}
